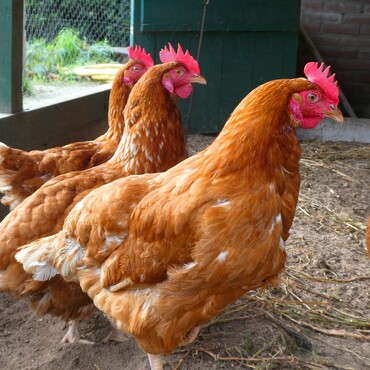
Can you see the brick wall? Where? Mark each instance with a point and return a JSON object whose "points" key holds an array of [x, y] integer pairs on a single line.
{"points": [[340, 30]]}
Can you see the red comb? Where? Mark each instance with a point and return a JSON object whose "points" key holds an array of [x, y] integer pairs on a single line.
{"points": [[170, 55], [139, 53], [319, 76]]}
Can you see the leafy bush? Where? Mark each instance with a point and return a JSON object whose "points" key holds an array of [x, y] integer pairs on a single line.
{"points": [[67, 46], [40, 59], [99, 52], [55, 59]]}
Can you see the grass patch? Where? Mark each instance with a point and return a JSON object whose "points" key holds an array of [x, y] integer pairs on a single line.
{"points": [[56, 60]]}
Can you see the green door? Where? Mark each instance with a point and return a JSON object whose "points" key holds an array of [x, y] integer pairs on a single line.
{"points": [[245, 43]]}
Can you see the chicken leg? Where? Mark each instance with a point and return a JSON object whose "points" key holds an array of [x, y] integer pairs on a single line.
{"points": [[191, 335], [155, 362], [73, 334], [115, 335]]}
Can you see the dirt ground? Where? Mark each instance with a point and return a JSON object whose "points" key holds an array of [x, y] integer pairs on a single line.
{"points": [[319, 317]]}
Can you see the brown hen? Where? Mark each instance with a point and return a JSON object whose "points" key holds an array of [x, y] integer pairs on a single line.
{"points": [[162, 254]]}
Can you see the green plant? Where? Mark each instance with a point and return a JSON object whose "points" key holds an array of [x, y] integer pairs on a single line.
{"points": [[26, 86], [98, 52], [67, 46], [56, 59], [40, 59]]}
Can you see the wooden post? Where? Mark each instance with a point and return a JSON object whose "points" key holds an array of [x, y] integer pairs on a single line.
{"points": [[11, 41]]}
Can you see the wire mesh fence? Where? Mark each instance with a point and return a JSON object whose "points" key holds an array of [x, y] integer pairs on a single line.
{"points": [[95, 20]]}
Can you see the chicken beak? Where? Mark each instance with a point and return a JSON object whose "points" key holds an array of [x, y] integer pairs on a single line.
{"points": [[334, 113], [198, 79]]}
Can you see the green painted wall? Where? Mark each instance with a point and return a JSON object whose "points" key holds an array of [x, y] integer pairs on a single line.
{"points": [[246, 43]]}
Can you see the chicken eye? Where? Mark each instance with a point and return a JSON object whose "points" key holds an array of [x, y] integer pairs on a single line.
{"points": [[179, 72], [136, 68], [312, 97]]}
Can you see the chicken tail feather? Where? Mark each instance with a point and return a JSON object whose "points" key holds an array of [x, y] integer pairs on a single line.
{"points": [[18, 175], [37, 258]]}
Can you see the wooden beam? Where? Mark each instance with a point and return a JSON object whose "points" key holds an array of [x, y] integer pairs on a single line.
{"points": [[82, 118], [11, 41]]}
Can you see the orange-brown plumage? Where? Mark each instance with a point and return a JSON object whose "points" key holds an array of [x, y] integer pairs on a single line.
{"points": [[22, 172], [153, 141], [191, 240]]}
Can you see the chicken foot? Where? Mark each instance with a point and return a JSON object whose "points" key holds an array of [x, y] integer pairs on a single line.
{"points": [[73, 334], [155, 362], [115, 335], [190, 336]]}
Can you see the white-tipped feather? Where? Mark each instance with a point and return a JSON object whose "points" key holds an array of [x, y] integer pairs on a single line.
{"points": [[44, 271], [39, 253], [25, 257], [33, 260], [37, 258], [69, 265], [5, 187]]}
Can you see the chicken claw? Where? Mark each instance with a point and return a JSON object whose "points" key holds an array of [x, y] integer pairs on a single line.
{"points": [[155, 362], [191, 335], [115, 335], [73, 334]]}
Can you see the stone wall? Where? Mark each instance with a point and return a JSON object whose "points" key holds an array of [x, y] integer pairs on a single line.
{"points": [[340, 30]]}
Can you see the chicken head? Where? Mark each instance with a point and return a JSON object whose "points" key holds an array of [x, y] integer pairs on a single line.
{"points": [[309, 107], [179, 79], [140, 63]]}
